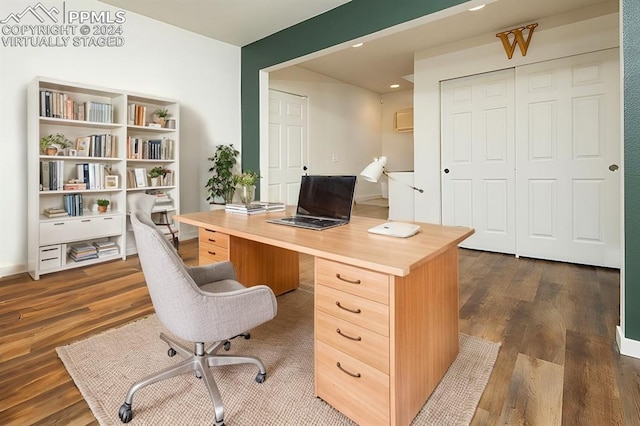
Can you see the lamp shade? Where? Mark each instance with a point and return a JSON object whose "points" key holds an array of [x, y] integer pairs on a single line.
{"points": [[373, 171]]}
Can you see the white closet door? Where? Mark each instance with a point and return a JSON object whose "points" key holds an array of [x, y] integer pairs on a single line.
{"points": [[288, 146], [568, 132], [478, 158]]}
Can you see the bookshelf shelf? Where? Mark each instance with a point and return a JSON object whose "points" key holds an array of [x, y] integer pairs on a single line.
{"points": [[79, 123], [95, 120]]}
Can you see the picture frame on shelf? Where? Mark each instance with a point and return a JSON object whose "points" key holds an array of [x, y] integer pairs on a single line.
{"points": [[111, 182], [141, 178], [82, 146]]}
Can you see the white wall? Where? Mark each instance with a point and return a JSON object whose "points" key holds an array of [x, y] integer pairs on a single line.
{"points": [[396, 146], [550, 40], [343, 120], [157, 59]]}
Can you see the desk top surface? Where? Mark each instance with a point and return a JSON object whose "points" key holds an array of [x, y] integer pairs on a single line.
{"points": [[350, 243]]}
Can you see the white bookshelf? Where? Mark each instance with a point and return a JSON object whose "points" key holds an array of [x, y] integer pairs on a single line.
{"points": [[50, 239]]}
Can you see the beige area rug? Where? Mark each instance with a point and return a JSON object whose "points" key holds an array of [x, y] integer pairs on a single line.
{"points": [[104, 367]]}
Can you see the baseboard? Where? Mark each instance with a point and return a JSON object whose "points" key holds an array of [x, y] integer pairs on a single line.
{"points": [[12, 270], [628, 347]]}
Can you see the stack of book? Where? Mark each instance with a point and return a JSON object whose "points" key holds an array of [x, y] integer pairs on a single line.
{"points": [[106, 248], [255, 207], [83, 251], [55, 212]]}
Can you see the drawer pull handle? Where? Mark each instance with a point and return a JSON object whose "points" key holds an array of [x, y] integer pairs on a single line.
{"points": [[357, 375], [212, 240], [85, 220], [357, 339], [353, 311], [209, 230], [213, 253], [348, 280], [58, 223]]}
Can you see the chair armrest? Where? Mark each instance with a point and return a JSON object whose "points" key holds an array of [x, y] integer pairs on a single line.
{"points": [[238, 311], [213, 272]]}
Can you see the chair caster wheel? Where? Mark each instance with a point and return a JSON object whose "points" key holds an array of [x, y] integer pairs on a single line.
{"points": [[261, 377], [247, 336], [171, 352], [227, 345], [125, 413]]}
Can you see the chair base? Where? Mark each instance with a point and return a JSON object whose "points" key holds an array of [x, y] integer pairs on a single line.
{"points": [[197, 360]]}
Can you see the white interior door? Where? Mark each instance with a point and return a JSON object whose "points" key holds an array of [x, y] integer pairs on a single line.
{"points": [[568, 186], [288, 150], [478, 158]]}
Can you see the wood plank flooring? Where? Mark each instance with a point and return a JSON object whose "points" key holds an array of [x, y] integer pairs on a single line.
{"points": [[558, 363]]}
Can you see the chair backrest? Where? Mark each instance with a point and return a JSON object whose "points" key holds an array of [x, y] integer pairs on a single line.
{"points": [[175, 296]]}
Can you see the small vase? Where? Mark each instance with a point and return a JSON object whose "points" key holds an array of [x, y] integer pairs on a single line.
{"points": [[154, 181], [228, 196], [247, 194], [102, 209]]}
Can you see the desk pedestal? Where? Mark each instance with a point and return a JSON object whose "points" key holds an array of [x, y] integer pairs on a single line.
{"points": [[255, 263]]}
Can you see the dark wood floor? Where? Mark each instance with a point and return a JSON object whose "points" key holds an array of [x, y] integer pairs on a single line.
{"points": [[558, 363]]}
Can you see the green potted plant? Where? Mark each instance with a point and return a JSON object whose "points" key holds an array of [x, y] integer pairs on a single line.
{"points": [[161, 115], [246, 183], [155, 174], [221, 184], [102, 205], [51, 144]]}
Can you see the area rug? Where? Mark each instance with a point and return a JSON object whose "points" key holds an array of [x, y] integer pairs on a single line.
{"points": [[105, 365]]}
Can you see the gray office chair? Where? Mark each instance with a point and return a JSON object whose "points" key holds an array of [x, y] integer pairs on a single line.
{"points": [[198, 304]]}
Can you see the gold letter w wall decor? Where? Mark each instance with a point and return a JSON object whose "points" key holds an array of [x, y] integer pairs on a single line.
{"points": [[510, 47]]}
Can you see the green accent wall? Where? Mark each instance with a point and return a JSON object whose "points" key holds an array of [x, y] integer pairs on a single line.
{"points": [[631, 55], [347, 22]]}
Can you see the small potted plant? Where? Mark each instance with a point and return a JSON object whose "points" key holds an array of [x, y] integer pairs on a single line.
{"points": [[52, 144], [102, 205], [155, 174], [161, 115], [246, 183], [221, 185]]}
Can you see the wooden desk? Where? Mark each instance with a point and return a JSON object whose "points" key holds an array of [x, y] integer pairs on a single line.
{"points": [[386, 309]]}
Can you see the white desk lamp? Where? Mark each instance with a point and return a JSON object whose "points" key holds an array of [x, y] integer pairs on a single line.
{"points": [[372, 173], [374, 170]]}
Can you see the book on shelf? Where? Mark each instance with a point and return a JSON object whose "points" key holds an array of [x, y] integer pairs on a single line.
{"points": [[106, 248], [61, 105], [55, 212], [83, 251], [73, 204]]}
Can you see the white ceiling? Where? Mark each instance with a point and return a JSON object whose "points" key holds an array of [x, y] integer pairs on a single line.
{"points": [[237, 22], [381, 61]]}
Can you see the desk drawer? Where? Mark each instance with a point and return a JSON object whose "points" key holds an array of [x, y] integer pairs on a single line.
{"points": [[351, 279], [79, 229], [358, 310], [210, 252], [364, 399], [362, 344], [213, 237]]}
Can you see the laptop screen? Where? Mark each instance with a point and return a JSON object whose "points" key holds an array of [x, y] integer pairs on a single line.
{"points": [[326, 196]]}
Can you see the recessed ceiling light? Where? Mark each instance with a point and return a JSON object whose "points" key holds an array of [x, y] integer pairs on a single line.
{"points": [[394, 86], [357, 45], [473, 9]]}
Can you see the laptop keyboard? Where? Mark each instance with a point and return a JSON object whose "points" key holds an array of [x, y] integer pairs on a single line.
{"points": [[309, 221]]}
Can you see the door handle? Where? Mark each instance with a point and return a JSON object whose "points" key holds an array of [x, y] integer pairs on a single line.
{"points": [[613, 167], [446, 171]]}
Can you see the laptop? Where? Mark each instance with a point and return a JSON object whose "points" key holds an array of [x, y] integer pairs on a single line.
{"points": [[324, 202]]}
